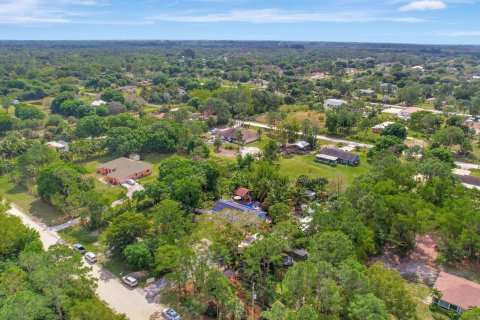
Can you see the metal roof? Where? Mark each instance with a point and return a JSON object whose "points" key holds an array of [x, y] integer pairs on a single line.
{"points": [[227, 204]]}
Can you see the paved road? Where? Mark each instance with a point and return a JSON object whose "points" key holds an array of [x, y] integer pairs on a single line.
{"points": [[335, 140], [467, 166], [120, 298]]}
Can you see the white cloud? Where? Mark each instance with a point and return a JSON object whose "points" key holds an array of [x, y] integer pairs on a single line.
{"points": [[273, 15], [423, 5]]}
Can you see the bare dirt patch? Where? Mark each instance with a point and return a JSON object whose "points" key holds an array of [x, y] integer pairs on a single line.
{"points": [[419, 266]]}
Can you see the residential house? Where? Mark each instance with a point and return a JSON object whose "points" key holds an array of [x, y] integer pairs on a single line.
{"points": [[300, 147], [60, 145], [129, 89], [228, 204], [98, 103], [417, 68], [379, 127], [231, 135], [120, 170], [475, 126], [367, 92], [457, 294], [407, 112], [331, 103], [334, 155]]}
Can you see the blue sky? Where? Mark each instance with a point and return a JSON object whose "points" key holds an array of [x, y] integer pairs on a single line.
{"points": [[400, 21]]}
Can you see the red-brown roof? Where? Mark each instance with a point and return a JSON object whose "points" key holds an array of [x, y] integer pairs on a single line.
{"points": [[242, 192], [458, 291]]}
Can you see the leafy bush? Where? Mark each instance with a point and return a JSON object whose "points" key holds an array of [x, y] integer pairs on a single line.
{"points": [[138, 256]]}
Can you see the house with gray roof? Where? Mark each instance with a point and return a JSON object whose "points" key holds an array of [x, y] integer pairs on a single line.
{"points": [[334, 155]]}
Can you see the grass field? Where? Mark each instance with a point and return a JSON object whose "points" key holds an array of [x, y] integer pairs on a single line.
{"points": [[294, 166], [89, 239], [29, 203], [299, 116]]}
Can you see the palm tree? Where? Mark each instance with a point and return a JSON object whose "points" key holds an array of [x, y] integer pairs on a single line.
{"points": [[217, 143], [297, 196], [259, 134]]}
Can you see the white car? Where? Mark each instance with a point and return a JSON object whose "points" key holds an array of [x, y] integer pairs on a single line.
{"points": [[90, 257], [171, 314], [130, 281], [131, 182]]}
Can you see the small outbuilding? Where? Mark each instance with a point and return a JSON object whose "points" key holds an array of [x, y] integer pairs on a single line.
{"points": [[98, 103], [331, 103]]}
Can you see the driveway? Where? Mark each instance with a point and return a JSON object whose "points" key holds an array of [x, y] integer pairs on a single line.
{"points": [[131, 189], [132, 302]]}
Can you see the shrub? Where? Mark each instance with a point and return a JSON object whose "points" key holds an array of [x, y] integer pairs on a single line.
{"points": [[138, 256]]}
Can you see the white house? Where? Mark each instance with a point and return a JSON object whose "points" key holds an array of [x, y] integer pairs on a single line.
{"points": [[331, 103], [62, 145], [379, 127], [407, 112], [98, 103]]}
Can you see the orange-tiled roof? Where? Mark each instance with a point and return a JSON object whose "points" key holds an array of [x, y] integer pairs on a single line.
{"points": [[242, 192]]}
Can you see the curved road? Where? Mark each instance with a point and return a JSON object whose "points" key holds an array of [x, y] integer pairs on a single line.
{"points": [[131, 302]]}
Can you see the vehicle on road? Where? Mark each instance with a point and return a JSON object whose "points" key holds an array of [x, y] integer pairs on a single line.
{"points": [[91, 257], [130, 182], [171, 314], [130, 281], [78, 247]]}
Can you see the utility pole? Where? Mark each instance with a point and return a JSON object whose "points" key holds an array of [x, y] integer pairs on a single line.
{"points": [[253, 301]]}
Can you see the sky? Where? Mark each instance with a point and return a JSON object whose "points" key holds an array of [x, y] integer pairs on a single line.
{"points": [[391, 21]]}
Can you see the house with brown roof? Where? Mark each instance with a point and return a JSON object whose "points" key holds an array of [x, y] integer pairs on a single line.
{"points": [[243, 195], [230, 135], [457, 294], [120, 170]]}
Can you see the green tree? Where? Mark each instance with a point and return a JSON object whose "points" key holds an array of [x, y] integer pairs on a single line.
{"points": [[125, 229], [270, 151], [138, 256], [25, 111], [26, 305], [90, 126], [332, 246], [280, 212], [389, 286], [367, 307], [396, 130]]}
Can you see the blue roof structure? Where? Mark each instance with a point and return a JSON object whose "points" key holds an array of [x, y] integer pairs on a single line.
{"points": [[227, 204]]}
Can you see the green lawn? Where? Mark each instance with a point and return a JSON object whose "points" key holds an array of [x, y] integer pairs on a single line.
{"points": [[30, 203], [88, 238], [420, 293], [109, 192], [294, 166]]}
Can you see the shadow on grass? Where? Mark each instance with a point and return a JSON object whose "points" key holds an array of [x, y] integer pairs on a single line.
{"points": [[49, 214]]}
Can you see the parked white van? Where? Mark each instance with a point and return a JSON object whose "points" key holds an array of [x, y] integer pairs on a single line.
{"points": [[91, 257]]}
